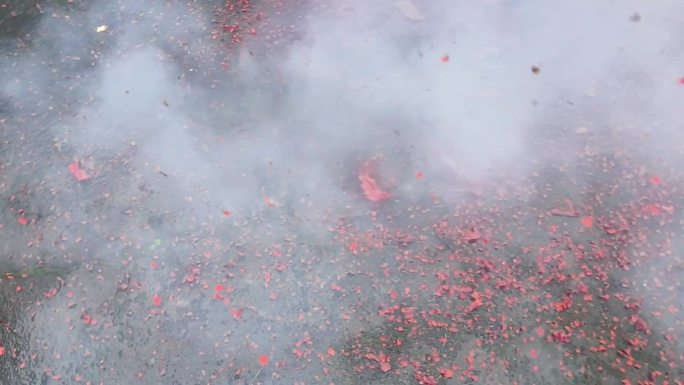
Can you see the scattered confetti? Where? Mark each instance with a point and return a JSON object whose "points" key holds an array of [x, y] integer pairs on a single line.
{"points": [[77, 172], [572, 266], [237, 313], [156, 300], [533, 354], [369, 186]]}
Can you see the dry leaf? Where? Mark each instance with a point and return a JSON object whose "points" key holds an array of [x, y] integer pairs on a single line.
{"points": [[409, 10]]}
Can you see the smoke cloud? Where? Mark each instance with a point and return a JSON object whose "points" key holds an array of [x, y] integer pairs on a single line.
{"points": [[206, 154]]}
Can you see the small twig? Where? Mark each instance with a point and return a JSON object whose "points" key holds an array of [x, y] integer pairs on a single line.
{"points": [[255, 377]]}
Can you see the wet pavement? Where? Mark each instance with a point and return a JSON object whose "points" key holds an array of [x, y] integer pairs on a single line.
{"points": [[236, 192]]}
